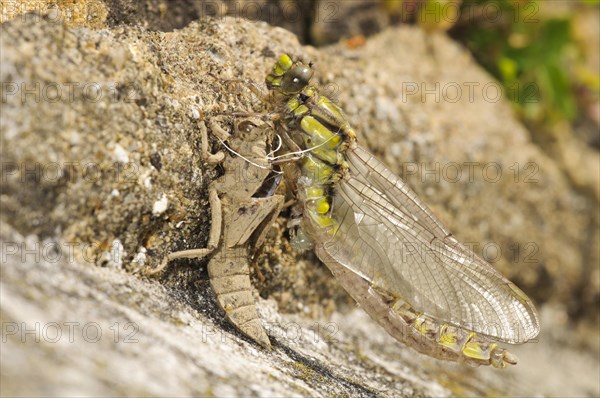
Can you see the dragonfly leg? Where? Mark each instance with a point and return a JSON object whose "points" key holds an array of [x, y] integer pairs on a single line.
{"points": [[289, 203], [269, 116], [213, 237], [291, 144], [211, 158], [252, 86]]}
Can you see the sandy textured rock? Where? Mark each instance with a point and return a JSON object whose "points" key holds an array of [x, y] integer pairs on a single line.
{"points": [[101, 168]]}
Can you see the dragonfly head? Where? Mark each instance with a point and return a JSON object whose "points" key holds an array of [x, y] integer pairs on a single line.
{"points": [[289, 77]]}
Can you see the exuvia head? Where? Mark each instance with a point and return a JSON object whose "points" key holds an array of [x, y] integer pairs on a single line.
{"points": [[289, 77]]}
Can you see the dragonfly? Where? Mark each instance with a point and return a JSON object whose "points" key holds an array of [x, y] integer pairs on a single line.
{"points": [[384, 245]]}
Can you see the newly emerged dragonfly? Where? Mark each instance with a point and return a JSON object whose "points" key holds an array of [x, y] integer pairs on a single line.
{"points": [[385, 246]]}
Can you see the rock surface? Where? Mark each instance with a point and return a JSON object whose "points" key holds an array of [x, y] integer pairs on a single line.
{"points": [[102, 176]]}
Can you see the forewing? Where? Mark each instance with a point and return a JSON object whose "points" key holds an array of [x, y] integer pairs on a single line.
{"points": [[391, 238]]}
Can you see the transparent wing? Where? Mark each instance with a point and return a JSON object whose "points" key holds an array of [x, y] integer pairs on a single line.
{"points": [[391, 238]]}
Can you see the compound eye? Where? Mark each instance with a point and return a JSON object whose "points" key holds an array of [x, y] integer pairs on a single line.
{"points": [[297, 78]]}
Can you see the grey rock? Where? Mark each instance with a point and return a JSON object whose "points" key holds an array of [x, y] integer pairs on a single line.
{"points": [[99, 131]]}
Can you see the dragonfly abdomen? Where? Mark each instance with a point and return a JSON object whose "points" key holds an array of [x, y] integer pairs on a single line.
{"points": [[468, 346], [415, 329]]}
